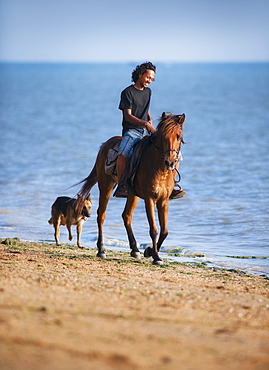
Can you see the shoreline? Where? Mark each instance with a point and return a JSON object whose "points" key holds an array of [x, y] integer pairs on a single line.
{"points": [[62, 307], [192, 258]]}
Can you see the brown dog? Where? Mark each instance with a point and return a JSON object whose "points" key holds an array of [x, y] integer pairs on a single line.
{"points": [[63, 212]]}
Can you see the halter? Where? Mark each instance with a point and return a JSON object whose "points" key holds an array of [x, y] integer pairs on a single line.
{"points": [[168, 150]]}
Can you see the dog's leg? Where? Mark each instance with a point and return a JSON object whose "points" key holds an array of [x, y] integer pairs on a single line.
{"points": [[79, 232], [57, 230], [68, 225]]}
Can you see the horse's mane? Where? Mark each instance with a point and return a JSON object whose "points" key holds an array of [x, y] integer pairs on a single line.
{"points": [[168, 123], [143, 143], [166, 126]]}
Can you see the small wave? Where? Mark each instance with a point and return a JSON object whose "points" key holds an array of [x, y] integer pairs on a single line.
{"points": [[182, 252], [115, 242], [5, 211]]}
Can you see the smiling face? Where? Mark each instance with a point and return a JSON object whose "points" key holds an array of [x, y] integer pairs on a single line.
{"points": [[145, 79]]}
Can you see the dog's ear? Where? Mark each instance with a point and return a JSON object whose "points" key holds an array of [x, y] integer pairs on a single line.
{"points": [[89, 198]]}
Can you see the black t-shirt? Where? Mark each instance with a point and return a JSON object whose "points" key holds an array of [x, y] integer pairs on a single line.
{"points": [[136, 100]]}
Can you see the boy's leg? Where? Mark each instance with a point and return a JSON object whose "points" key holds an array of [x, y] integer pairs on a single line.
{"points": [[121, 191], [127, 143]]}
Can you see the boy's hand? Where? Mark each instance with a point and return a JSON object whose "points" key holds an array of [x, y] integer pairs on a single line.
{"points": [[149, 126]]}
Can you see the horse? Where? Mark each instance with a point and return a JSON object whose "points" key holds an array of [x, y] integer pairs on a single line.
{"points": [[153, 182]]}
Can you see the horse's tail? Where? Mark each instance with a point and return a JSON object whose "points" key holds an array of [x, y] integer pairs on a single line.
{"points": [[84, 192], [88, 183]]}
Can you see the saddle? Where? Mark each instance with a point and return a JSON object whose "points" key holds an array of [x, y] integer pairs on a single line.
{"points": [[132, 162]]}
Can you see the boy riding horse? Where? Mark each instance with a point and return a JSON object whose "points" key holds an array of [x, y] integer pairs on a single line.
{"points": [[136, 121]]}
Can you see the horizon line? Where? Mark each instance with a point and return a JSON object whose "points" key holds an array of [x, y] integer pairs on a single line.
{"points": [[133, 61]]}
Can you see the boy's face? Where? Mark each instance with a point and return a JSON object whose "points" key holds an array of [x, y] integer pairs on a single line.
{"points": [[146, 78]]}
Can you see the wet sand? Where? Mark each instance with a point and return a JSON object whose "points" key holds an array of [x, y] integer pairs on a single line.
{"points": [[63, 308]]}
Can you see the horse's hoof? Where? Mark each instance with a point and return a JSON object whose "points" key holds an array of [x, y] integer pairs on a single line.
{"points": [[157, 263], [148, 252], [101, 255], [136, 255]]}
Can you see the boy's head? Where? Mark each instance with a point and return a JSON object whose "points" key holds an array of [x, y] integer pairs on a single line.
{"points": [[141, 69]]}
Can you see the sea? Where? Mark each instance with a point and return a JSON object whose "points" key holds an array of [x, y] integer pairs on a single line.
{"points": [[55, 116]]}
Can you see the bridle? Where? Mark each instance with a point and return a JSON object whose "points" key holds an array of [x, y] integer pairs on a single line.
{"points": [[168, 150]]}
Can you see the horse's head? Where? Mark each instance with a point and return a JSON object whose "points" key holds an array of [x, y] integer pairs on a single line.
{"points": [[169, 137]]}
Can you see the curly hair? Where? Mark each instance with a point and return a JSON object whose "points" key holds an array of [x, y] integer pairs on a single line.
{"points": [[141, 69]]}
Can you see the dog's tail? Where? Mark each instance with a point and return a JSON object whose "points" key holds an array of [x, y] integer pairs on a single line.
{"points": [[50, 221]]}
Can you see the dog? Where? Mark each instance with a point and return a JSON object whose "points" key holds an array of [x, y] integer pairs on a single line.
{"points": [[64, 212]]}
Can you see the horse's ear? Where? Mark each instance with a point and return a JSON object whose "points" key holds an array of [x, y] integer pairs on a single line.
{"points": [[163, 116], [181, 119]]}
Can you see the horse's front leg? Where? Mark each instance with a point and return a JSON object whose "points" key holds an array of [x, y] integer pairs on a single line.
{"points": [[127, 216], [153, 231], [162, 208]]}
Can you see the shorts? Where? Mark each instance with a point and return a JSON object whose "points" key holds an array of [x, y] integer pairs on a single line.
{"points": [[130, 138]]}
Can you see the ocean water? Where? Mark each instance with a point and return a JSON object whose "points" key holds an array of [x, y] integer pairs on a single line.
{"points": [[54, 117]]}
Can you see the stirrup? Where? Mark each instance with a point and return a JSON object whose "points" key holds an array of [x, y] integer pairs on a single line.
{"points": [[176, 194]]}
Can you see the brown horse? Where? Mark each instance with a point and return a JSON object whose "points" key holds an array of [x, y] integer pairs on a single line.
{"points": [[153, 182]]}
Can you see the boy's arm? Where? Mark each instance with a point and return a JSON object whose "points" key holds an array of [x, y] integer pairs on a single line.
{"points": [[137, 121], [149, 117]]}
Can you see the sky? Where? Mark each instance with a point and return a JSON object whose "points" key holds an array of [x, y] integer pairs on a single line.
{"points": [[134, 30]]}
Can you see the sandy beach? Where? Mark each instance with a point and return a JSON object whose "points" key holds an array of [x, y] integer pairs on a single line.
{"points": [[63, 308]]}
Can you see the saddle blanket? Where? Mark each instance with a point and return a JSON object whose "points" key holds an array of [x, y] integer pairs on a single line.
{"points": [[111, 160]]}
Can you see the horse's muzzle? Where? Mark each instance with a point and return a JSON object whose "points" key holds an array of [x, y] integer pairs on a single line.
{"points": [[170, 165], [171, 157]]}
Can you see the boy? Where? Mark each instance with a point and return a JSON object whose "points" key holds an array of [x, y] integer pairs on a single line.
{"points": [[136, 120]]}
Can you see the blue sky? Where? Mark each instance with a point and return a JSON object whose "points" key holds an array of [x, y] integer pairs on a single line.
{"points": [[136, 30]]}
